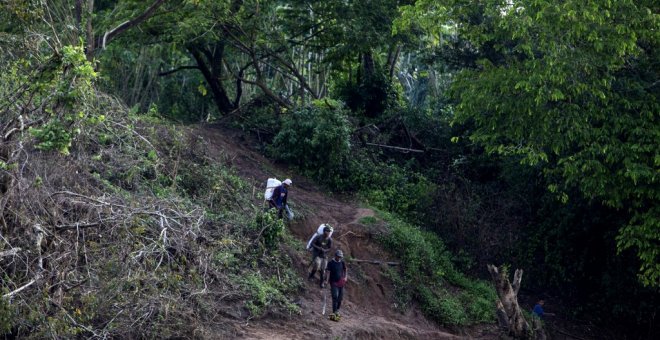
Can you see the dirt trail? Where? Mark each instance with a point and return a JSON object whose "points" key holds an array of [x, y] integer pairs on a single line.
{"points": [[368, 310]]}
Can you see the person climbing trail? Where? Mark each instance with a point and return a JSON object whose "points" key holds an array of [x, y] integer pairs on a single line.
{"points": [[278, 199], [337, 276], [321, 246], [318, 232], [538, 310]]}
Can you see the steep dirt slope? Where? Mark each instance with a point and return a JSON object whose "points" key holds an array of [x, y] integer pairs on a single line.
{"points": [[369, 306]]}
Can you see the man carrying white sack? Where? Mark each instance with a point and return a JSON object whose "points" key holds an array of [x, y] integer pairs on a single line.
{"points": [[279, 197], [319, 232], [320, 248]]}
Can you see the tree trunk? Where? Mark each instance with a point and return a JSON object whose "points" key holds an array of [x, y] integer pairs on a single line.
{"points": [[210, 64], [89, 29], [78, 13], [508, 297], [392, 62], [368, 66]]}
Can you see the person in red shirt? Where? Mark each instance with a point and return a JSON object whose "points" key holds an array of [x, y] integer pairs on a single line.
{"points": [[337, 276]]}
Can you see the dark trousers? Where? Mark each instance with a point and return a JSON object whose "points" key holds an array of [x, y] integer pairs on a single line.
{"points": [[271, 204], [337, 295], [280, 211]]}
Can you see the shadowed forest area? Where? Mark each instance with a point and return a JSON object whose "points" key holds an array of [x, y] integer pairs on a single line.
{"points": [[474, 157]]}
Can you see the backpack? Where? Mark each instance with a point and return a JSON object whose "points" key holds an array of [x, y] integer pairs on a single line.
{"points": [[271, 184], [318, 232]]}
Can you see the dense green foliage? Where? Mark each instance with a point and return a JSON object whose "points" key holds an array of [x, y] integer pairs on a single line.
{"points": [[315, 138], [572, 85], [368, 96], [6, 316], [521, 132]]}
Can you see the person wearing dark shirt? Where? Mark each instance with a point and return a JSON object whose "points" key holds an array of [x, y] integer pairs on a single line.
{"points": [[320, 247], [279, 197], [337, 276]]}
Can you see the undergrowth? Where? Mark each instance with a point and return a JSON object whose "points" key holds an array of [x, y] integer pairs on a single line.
{"points": [[136, 231], [428, 276], [316, 140]]}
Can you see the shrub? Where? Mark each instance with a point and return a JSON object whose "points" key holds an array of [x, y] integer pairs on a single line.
{"points": [[262, 293], [395, 189], [316, 139], [270, 228], [6, 315], [268, 293], [443, 307]]}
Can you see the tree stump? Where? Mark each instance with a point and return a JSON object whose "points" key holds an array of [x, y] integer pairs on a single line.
{"points": [[509, 313]]}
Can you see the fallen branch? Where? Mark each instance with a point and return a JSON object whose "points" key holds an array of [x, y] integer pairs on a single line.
{"points": [[395, 148], [77, 225], [349, 233], [376, 262], [367, 127], [12, 293], [10, 252], [66, 192], [180, 68], [40, 236]]}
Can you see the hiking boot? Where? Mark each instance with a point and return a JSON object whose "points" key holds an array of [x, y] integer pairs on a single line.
{"points": [[322, 284]]}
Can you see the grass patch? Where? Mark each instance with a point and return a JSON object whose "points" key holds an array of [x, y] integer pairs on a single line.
{"points": [[267, 293], [368, 220]]}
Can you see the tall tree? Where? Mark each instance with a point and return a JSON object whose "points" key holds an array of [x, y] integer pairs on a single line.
{"points": [[574, 86]]}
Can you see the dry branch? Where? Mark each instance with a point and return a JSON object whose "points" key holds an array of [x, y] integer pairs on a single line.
{"points": [[376, 262], [14, 292], [87, 230], [395, 148], [10, 252]]}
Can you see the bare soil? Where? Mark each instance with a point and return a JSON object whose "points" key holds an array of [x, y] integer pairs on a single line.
{"points": [[369, 308]]}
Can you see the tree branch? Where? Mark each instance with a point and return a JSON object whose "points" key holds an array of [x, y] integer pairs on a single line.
{"points": [[395, 148], [10, 252], [78, 225], [108, 36], [189, 67], [375, 262], [297, 74], [259, 83], [12, 293], [517, 277]]}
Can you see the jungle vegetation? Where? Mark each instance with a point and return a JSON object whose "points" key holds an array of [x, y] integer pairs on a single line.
{"points": [[524, 133]]}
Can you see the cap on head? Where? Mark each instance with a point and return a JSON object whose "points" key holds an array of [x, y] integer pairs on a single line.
{"points": [[339, 253], [287, 182]]}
